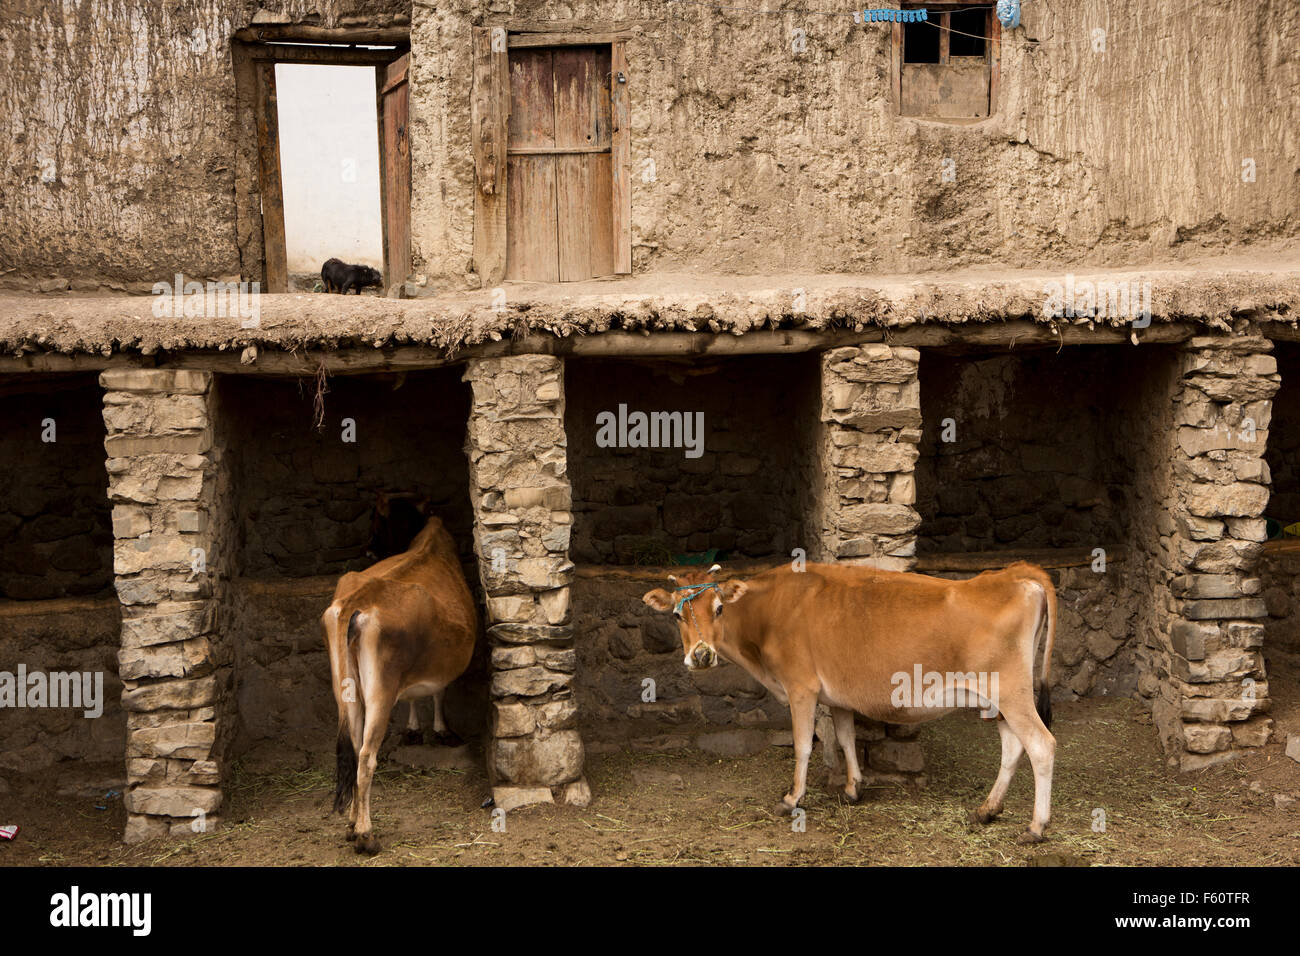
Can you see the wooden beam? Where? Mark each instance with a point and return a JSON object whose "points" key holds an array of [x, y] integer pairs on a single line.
{"points": [[1281, 332], [276, 271], [490, 130], [621, 161], [666, 345], [896, 67], [338, 56], [303, 33], [566, 39], [975, 561]]}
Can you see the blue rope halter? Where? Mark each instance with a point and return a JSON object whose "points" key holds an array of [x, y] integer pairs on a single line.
{"points": [[696, 590]]}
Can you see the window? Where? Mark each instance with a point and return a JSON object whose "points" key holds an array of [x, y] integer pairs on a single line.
{"points": [[946, 67]]}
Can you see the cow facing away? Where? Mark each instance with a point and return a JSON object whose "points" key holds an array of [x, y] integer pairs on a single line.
{"points": [[855, 639], [403, 628]]}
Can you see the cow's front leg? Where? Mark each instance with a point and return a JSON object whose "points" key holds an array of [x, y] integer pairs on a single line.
{"points": [[412, 736], [442, 734], [803, 715]]}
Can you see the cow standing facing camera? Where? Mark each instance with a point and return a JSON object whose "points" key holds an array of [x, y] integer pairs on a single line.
{"points": [[860, 640], [403, 628]]}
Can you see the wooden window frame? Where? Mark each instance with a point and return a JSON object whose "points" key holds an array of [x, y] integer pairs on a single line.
{"points": [[992, 53], [256, 51], [490, 125]]}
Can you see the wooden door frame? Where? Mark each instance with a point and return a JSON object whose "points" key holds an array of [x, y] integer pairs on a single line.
{"points": [[255, 51], [490, 129]]}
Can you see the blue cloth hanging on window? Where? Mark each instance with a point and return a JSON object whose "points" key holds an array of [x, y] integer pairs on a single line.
{"points": [[1009, 13], [880, 15]]}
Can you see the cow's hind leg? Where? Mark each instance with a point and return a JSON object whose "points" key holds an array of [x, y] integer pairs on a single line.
{"points": [[1040, 745], [845, 733], [412, 735], [803, 714], [377, 713], [1012, 751], [443, 736]]}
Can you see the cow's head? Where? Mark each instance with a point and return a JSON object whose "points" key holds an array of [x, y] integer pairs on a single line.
{"points": [[396, 520], [697, 602]]}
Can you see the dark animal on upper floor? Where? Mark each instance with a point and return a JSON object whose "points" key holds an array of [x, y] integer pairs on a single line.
{"points": [[340, 277]]}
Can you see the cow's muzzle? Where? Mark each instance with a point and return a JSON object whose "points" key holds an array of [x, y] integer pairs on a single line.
{"points": [[701, 656]]}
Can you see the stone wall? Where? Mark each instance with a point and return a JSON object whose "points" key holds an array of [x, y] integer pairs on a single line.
{"points": [[66, 635], [305, 496], [283, 688], [1094, 654], [1199, 657], [56, 537], [1283, 455], [1030, 463], [1279, 574], [871, 410], [169, 482], [745, 495], [635, 691], [519, 489]]}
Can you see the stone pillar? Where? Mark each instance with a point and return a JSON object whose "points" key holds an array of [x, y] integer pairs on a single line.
{"points": [[871, 409], [522, 518], [871, 415], [1205, 671], [168, 557]]}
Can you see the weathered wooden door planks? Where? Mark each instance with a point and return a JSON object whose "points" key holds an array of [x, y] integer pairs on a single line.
{"points": [[561, 221]]}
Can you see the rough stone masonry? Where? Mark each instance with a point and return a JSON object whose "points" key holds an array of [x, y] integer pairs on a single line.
{"points": [[522, 502], [165, 482], [1202, 664]]}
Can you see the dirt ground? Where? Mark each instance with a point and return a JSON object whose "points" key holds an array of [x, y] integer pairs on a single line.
{"points": [[684, 807]]}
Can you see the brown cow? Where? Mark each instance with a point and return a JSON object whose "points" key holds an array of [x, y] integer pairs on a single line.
{"points": [[401, 629], [852, 637]]}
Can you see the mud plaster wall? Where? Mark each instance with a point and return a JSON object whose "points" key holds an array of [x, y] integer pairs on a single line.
{"points": [[1034, 463], [766, 161], [304, 501], [122, 136], [746, 495], [120, 133], [56, 536]]}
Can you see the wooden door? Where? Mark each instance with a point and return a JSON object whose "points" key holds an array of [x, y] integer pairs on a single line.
{"points": [[560, 222], [395, 175]]}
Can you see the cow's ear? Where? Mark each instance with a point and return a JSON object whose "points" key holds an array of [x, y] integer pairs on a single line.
{"points": [[732, 591], [659, 599]]}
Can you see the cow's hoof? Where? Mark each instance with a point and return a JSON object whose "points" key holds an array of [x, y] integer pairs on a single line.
{"points": [[447, 739], [852, 799], [784, 807], [412, 738], [1029, 838], [366, 843], [351, 834], [982, 817]]}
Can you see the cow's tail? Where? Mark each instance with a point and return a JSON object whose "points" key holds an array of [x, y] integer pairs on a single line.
{"points": [[1047, 628], [345, 782]]}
